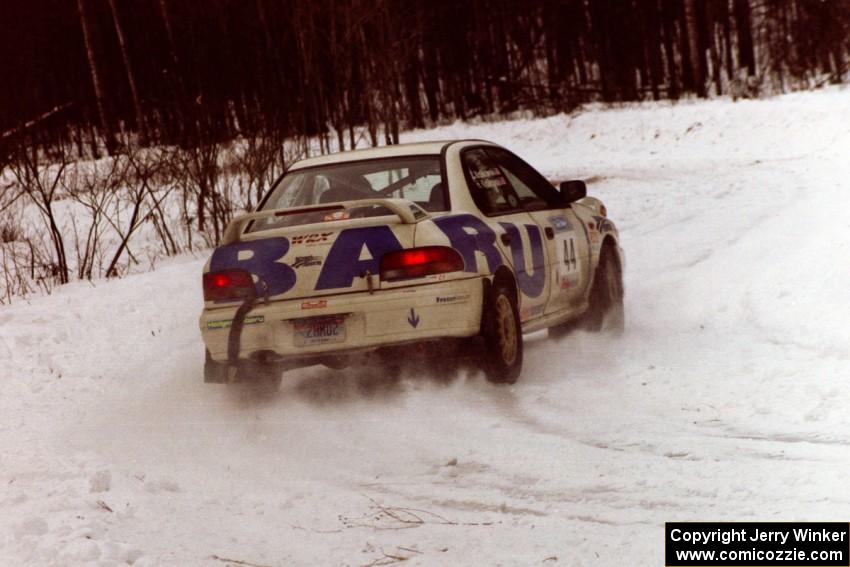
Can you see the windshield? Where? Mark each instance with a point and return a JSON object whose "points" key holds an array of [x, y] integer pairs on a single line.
{"points": [[415, 178]]}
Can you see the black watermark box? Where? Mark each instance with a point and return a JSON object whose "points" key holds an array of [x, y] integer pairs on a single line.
{"points": [[763, 544]]}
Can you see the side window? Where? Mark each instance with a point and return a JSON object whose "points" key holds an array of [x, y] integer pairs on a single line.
{"points": [[527, 197], [491, 189], [533, 190]]}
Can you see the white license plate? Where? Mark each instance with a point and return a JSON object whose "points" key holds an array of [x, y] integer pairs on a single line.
{"points": [[319, 330]]}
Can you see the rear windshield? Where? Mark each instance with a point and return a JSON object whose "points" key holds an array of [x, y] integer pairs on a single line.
{"points": [[417, 179]]}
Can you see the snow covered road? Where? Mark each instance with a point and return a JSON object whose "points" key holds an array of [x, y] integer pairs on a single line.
{"points": [[726, 399]]}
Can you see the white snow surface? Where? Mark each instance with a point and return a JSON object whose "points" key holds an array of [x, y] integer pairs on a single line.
{"points": [[726, 398]]}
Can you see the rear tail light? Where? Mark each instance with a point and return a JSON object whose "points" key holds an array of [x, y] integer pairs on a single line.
{"points": [[418, 262], [229, 285]]}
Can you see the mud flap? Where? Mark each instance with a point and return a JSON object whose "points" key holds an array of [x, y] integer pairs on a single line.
{"points": [[234, 340], [214, 372], [228, 372]]}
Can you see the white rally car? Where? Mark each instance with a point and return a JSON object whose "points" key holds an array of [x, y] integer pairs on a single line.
{"points": [[394, 253]]}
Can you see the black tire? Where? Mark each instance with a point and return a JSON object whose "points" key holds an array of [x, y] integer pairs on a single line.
{"points": [[502, 333], [606, 312]]}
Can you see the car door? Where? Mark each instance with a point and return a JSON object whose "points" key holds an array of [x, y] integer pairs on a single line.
{"points": [[568, 258], [518, 236]]}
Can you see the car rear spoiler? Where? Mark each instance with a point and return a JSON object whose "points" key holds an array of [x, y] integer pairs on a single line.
{"points": [[408, 211]]}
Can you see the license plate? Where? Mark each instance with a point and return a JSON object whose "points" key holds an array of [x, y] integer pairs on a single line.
{"points": [[319, 330]]}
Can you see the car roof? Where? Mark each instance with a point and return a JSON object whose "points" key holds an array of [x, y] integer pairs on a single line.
{"points": [[414, 149]]}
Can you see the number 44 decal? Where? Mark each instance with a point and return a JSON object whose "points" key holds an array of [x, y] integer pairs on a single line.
{"points": [[568, 263]]}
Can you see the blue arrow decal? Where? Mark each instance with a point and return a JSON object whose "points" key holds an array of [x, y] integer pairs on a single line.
{"points": [[413, 318]]}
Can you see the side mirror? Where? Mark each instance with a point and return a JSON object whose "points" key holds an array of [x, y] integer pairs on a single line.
{"points": [[572, 191]]}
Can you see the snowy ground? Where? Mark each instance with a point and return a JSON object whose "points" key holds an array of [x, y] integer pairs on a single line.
{"points": [[727, 398]]}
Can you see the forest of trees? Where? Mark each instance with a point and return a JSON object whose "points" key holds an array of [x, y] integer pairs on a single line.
{"points": [[131, 130], [98, 72]]}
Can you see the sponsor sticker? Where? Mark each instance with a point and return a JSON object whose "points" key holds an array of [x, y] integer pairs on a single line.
{"points": [[307, 261], [226, 323], [319, 304], [560, 224], [312, 238], [489, 178], [456, 298]]}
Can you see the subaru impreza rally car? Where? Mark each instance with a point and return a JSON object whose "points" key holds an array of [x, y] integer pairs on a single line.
{"points": [[383, 253]]}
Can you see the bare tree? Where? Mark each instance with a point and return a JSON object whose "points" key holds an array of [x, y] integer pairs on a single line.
{"points": [[259, 160], [128, 69], [40, 181], [203, 179], [694, 47], [743, 21], [97, 83], [96, 186], [142, 168], [159, 188]]}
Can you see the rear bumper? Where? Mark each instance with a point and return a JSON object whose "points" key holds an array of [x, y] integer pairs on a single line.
{"points": [[387, 317]]}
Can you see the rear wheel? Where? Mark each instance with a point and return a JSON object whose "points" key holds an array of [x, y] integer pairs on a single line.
{"points": [[606, 312], [502, 358]]}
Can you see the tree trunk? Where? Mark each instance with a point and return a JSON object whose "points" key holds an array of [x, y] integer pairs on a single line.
{"points": [[652, 46], [131, 79], [727, 41], [693, 47], [669, 28], [711, 37], [99, 96], [743, 24], [180, 91]]}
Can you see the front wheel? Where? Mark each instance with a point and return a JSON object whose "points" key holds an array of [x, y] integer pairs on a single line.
{"points": [[502, 332], [606, 312]]}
